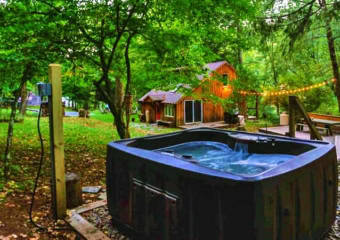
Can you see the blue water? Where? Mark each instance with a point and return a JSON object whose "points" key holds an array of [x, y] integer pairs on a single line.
{"points": [[221, 157]]}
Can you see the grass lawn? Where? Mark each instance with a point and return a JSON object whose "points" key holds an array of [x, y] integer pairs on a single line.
{"points": [[92, 133]]}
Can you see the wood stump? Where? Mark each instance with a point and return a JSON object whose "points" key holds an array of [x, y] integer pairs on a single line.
{"points": [[74, 196], [84, 113]]}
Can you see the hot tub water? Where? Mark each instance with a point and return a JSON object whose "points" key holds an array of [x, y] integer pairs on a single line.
{"points": [[221, 157]]}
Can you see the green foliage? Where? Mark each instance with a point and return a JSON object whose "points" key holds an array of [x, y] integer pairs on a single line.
{"points": [[327, 104], [269, 113], [253, 126]]}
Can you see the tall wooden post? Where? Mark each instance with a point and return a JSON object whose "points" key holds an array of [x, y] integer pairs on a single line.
{"points": [[257, 106], [57, 143], [291, 116]]}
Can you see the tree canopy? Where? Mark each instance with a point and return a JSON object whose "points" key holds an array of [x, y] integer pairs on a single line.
{"points": [[112, 48]]}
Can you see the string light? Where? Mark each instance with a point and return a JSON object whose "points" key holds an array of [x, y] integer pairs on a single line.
{"points": [[286, 92]]}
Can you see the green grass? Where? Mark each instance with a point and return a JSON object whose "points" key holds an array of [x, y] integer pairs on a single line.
{"points": [[107, 117], [92, 134], [83, 137], [104, 117], [253, 126]]}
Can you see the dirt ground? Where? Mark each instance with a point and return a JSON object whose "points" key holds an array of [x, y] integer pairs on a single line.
{"points": [[14, 220]]}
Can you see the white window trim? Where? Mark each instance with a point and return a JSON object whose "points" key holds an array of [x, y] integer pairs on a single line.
{"points": [[173, 112]]}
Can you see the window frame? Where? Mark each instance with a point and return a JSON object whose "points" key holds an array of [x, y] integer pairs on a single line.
{"points": [[169, 110], [225, 79]]}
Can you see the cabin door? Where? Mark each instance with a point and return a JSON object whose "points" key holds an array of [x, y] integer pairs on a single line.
{"points": [[158, 111], [193, 111]]}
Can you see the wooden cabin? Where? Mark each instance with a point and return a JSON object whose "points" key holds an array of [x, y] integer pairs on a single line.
{"points": [[175, 109]]}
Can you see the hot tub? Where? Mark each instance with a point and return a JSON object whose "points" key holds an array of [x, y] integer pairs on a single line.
{"points": [[216, 184]]}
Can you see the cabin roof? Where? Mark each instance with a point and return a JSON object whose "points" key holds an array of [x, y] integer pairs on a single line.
{"points": [[211, 67], [172, 97], [214, 65]]}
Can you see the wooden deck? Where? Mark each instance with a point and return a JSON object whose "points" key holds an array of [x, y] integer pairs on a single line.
{"points": [[281, 130], [220, 124]]}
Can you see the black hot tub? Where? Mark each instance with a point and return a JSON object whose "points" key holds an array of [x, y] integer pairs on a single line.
{"points": [[179, 186]]}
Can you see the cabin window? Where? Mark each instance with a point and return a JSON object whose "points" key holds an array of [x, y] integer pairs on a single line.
{"points": [[169, 110], [225, 79]]}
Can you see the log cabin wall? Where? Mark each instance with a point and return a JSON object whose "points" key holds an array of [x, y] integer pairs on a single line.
{"points": [[179, 113], [180, 107], [149, 105], [211, 112], [214, 111], [168, 118]]}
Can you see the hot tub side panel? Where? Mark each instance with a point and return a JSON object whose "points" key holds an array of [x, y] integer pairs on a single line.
{"points": [[300, 204], [164, 202]]}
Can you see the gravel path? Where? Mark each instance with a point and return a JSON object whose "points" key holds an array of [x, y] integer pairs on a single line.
{"points": [[101, 219]]}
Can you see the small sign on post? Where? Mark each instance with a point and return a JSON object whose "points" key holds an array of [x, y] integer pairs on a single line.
{"points": [[57, 143]]}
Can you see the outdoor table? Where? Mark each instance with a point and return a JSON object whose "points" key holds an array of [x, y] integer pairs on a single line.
{"points": [[327, 123]]}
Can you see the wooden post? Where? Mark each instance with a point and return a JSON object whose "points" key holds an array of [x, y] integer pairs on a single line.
{"points": [[314, 133], [57, 143], [257, 106], [291, 116]]}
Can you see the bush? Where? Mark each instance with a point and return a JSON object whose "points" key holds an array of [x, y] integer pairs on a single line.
{"points": [[270, 114], [329, 107]]}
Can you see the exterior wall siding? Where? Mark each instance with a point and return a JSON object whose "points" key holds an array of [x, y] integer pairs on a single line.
{"points": [[168, 118], [212, 112], [149, 106]]}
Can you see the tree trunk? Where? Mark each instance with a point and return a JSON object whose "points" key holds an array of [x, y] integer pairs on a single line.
{"points": [[27, 74], [9, 137], [334, 61], [239, 49], [128, 97], [119, 96], [119, 115], [332, 52], [121, 127], [86, 105], [23, 101], [277, 106], [115, 104]]}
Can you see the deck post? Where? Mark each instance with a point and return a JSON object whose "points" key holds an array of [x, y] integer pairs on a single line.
{"points": [[57, 143], [291, 116]]}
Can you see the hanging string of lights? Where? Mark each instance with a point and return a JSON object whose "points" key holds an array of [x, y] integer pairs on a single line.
{"points": [[286, 92]]}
